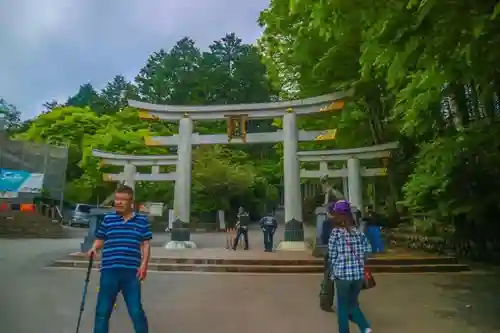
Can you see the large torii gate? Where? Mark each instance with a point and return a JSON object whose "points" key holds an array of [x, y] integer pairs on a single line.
{"points": [[237, 116]]}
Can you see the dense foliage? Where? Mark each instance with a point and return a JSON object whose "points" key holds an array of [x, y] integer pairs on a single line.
{"points": [[424, 73]]}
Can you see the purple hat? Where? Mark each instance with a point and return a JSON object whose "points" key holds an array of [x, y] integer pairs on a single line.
{"points": [[339, 207]]}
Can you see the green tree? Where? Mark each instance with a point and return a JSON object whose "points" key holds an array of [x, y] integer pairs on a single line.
{"points": [[116, 93], [12, 115], [422, 73], [153, 82], [86, 96], [65, 126], [50, 105]]}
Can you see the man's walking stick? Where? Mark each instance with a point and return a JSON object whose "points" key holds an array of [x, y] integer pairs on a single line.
{"points": [[84, 294]]}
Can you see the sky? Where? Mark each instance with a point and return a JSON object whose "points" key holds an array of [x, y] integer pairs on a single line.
{"points": [[48, 48]]}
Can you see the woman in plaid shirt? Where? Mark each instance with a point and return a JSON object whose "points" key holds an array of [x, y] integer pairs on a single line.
{"points": [[347, 251]]}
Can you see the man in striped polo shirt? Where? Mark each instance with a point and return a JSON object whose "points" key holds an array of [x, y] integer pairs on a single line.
{"points": [[124, 239]]}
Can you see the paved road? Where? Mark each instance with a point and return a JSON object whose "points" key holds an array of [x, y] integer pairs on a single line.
{"points": [[38, 300]]}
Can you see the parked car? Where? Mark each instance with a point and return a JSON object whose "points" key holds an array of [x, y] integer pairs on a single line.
{"points": [[81, 215]]}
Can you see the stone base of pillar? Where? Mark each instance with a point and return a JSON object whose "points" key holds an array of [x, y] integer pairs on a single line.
{"points": [[180, 245], [294, 231], [294, 237], [292, 246], [180, 231]]}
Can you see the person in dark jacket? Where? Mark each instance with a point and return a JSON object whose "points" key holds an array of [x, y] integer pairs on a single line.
{"points": [[326, 230], [268, 224], [373, 230], [327, 289], [242, 228]]}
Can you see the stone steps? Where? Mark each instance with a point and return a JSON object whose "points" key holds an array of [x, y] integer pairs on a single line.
{"points": [[379, 265], [375, 261]]}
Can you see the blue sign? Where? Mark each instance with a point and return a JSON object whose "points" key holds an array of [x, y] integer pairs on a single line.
{"points": [[20, 181]]}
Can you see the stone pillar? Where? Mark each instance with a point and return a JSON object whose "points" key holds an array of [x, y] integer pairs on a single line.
{"points": [[355, 183], [181, 237], [182, 194], [129, 171], [345, 187], [221, 219], [171, 219], [294, 230]]}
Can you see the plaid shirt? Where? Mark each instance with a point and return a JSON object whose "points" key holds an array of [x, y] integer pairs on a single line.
{"points": [[346, 252]]}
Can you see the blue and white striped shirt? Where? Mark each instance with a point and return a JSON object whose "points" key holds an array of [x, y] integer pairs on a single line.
{"points": [[122, 240]]}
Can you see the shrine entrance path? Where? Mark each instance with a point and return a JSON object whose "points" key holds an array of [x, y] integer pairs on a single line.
{"points": [[34, 299]]}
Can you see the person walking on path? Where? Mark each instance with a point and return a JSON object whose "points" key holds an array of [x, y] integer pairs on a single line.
{"points": [[242, 228], [124, 237], [347, 250], [268, 224]]}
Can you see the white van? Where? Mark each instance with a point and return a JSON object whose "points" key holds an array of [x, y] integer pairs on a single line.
{"points": [[81, 215]]}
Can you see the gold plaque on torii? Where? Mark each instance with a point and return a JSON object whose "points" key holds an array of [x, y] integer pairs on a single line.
{"points": [[330, 134], [237, 127]]}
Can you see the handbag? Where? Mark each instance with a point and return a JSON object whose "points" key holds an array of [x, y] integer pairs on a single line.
{"points": [[368, 279]]}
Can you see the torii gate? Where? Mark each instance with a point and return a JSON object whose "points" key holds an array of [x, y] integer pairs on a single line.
{"points": [[130, 162], [129, 176], [237, 116], [351, 174]]}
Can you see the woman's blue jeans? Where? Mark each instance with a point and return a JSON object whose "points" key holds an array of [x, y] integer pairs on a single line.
{"points": [[348, 305], [113, 281]]}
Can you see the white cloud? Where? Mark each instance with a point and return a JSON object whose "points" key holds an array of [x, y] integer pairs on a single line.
{"points": [[50, 47], [32, 22]]}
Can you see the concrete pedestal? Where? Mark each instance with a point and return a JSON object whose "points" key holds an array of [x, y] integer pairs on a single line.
{"points": [[292, 246], [180, 236], [179, 245], [294, 237], [89, 239]]}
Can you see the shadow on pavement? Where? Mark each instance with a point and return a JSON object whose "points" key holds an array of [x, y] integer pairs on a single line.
{"points": [[475, 298]]}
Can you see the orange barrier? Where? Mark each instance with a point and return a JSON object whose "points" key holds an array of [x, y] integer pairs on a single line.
{"points": [[27, 208]]}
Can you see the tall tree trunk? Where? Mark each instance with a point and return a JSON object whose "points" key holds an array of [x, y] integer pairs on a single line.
{"points": [[375, 107], [462, 109]]}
